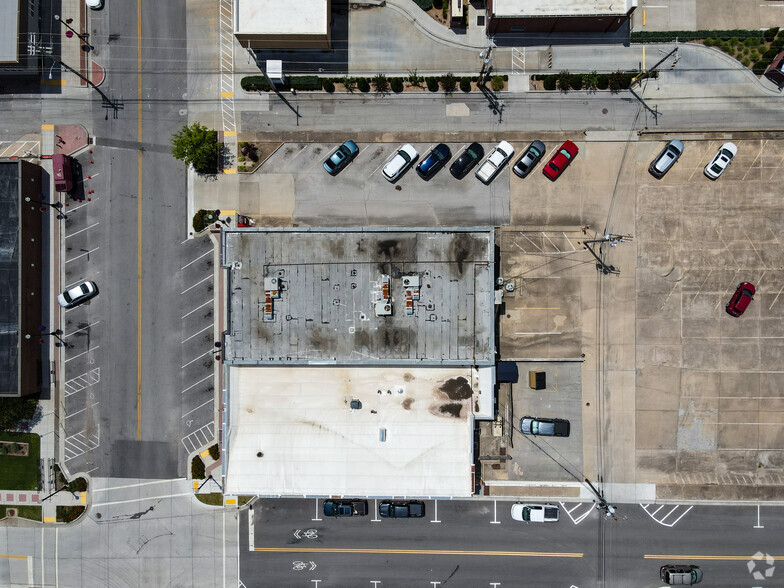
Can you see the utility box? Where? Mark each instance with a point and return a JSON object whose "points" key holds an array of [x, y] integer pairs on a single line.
{"points": [[537, 380]]}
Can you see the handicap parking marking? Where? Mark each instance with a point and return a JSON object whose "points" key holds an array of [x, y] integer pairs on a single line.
{"points": [[664, 512], [82, 381], [201, 437], [586, 508], [80, 443]]}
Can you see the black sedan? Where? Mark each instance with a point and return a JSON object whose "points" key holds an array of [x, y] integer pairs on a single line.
{"points": [[529, 159], [401, 510], [467, 160], [435, 160]]}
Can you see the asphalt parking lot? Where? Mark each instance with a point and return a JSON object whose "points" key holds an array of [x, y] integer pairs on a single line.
{"points": [[360, 196]]}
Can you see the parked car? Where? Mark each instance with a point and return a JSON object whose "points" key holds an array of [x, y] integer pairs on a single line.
{"points": [[739, 302], [495, 161], [529, 159], [546, 427], [402, 160], [435, 160], [94, 4], [535, 513], [680, 575], [561, 160], [666, 159], [78, 294], [401, 510], [467, 160], [345, 508], [342, 156], [721, 160]]}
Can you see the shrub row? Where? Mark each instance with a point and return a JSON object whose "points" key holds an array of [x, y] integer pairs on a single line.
{"points": [[448, 82], [668, 36], [565, 81]]}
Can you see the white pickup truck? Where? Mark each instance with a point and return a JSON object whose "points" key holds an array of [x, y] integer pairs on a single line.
{"points": [[494, 162]]}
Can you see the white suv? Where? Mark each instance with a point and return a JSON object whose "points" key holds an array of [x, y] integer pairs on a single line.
{"points": [[402, 160]]}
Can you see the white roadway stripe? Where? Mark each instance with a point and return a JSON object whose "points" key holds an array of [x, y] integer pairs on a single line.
{"points": [[82, 230], [95, 504], [134, 485], [196, 284], [82, 255], [197, 333], [197, 259], [197, 308]]}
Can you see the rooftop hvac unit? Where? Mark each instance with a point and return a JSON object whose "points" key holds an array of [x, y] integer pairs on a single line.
{"points": [[383, 308]]}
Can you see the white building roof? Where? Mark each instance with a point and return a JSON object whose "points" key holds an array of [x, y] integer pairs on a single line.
{"points": [[312, 442], [274, 17], [511, 8], [9, 31]]}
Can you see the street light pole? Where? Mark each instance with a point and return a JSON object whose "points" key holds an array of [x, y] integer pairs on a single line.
{"points": [[57, 206], [82, 37]]}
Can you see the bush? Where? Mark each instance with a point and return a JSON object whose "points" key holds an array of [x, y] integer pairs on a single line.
{"points": [[214, 452], [616, 81], [760, 67], [67, 514], [465, 84], [770, 34], [77, 485], [363, 85], [305, 83], [197, 469], [414, 79], [754, 56], [683, 36], [576, 81], [255, 84], [746, 61], [349, 83], [424, 4], [591, 81], [710, 42], [432, 84], [550, 82], [202, 219], [243, 168], [751, 42], [497, 83], [380, 83], [448, 83], [396, 84], [564, 78], [328, 86], [603, 81]]}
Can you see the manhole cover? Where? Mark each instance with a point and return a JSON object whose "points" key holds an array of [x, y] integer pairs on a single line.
{"points": [[604, 111]]}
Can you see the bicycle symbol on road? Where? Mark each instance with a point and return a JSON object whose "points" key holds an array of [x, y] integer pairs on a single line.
{"points": [[306, 534], [299, 566]]}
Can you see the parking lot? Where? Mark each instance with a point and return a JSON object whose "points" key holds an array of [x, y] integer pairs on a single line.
{"points": [[360, 196]]}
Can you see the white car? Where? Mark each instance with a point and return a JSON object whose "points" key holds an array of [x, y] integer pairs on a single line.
{"points": [[721, 161], [535, 513], [78, 294], [494, 162], [402, 160], [94, 4]]}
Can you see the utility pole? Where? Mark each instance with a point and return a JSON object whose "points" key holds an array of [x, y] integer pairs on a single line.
{"points": [[487, 60], [613, 240], [609, 509]]}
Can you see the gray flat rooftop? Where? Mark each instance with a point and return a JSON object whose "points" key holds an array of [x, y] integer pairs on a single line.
{"points": [[319, 296], [9, 31], [544, 8], [9, 277]]}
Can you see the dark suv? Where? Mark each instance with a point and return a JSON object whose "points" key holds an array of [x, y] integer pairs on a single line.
{"points": [[401, 510], [434, 161], [345, 508], [545, 427], [680, 575]]}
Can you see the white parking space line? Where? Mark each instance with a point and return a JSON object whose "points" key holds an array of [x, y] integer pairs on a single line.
{"points": [[495, 520], [672, 510], [196, 334], [82, 329], [82, 255], [82, 353], [199, 438], [197, 308], [68, 416], [435, 505], [68, 236], [195, 360], [197, 383], [196, 284], [197, 259], [317, 510], [588, 508], [73, 208], [756, 157], [197, 408], [375, 512]]}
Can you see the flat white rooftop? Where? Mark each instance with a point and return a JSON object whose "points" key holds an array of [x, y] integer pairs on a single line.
{"points": [[512, 8], [9, 31], [313, 443], [274, 17]]}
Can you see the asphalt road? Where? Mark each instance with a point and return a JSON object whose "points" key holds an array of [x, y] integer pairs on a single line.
{"points": [[474, 545]]}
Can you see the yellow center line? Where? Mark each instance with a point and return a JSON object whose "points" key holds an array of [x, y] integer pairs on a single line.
{"points": [[5, 556], [710, 557], [414, 552], [139, 221]]}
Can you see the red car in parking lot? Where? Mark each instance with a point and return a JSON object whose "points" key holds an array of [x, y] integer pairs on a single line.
{"points": [[740, 300], [559, 162]]}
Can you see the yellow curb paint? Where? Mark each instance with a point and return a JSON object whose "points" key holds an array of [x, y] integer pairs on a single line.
{"points": [[53, 82], [6, 556], [47, 127], [230, 170], [50, 519], [643, 18], [195, 485], [228, 212], [83, 498], [204, 453], [229, 133], [227, 94], [231, 501]]}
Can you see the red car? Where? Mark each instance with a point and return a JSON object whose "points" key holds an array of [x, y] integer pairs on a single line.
{"points": [[559, 162], [740, 300]]}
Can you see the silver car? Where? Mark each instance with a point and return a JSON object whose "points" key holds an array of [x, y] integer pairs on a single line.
{"points": [[666, 159]]}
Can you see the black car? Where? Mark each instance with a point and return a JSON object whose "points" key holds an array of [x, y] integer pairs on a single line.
{"points": [[530, 158], [409, 509], [434, 161], [546, 427], [680, 575], [345, 508], [467, 160]]}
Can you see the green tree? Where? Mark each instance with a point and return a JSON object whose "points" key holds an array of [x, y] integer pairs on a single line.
{"points": [[449, 83], [381, 83], [14, 411], [564, 79], [198, 146]]}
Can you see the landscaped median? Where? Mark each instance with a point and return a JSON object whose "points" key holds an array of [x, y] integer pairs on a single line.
{"points": [[565, 81], [448, 83]]}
